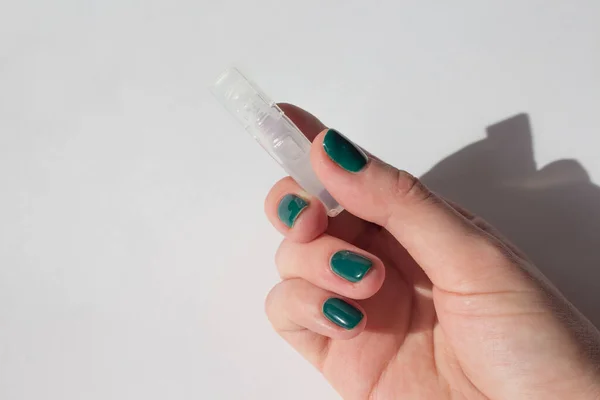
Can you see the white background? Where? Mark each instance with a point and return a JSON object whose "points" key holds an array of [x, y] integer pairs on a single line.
{"points": [[134, 255]]}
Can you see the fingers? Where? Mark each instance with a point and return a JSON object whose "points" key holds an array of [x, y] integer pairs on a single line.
{"points": [[306, 316], [345, 226], [333, 265], [295, 213], [292, 211], [444, 243], [315, 302]]}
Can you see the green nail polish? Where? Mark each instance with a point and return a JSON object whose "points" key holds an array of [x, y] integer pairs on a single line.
{"points": [[341, 313], [343, 152], [290, 208], [350, 266]]}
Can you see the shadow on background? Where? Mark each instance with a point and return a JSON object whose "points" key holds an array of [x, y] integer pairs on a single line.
{"points": [[552, 213]]}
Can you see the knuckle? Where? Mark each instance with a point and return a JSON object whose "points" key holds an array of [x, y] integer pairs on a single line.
{"points": [[279, 253], [496, 253], [480, 223], [282, 298], [270, 302], [273, 298], [410, 188], [281, 257]]}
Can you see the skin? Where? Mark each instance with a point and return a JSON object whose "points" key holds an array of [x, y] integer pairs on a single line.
{"points": [[452, 310]]}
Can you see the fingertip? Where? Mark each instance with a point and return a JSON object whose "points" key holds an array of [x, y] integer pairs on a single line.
{"points": [[348, 282], [333, 153], [321, 163], [295, 213], [346, 318], [333, 265], [294, 305], [344, 182], [311, 223], [318, 140]]}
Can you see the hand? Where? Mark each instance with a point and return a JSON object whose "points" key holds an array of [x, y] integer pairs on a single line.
{"points": [[406, 296]]}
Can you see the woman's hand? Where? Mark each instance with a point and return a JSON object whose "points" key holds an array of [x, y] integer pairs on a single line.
{"points": [[406, 296]]}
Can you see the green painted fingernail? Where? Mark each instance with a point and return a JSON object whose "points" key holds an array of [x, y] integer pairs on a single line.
{"points": [[341, 313], [350, 266], [343, 152], [289, 208]]}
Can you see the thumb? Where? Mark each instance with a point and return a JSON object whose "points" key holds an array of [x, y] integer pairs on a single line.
{"points": [[454, 253]]}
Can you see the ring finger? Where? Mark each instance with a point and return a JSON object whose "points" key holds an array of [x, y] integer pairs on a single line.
{"points": [[332, 264]]}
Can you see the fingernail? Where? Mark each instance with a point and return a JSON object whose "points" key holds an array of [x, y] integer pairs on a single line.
{"points": [[289, 208], [350, 266], [341, 313], [343, 152]]}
